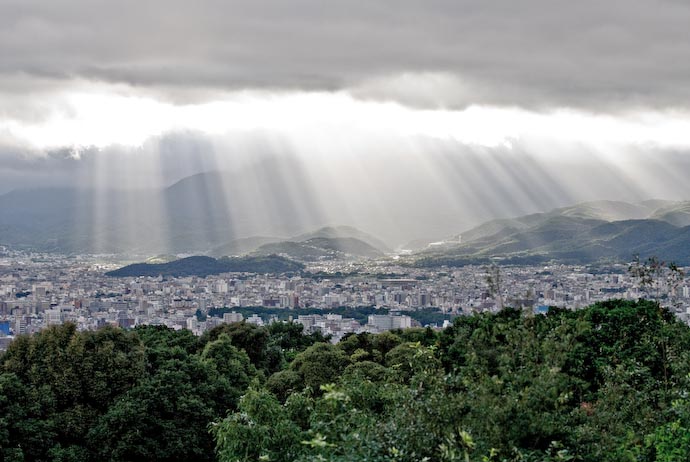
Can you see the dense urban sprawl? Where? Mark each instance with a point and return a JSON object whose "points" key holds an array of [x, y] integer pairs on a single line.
{"points": [[38, 290]]}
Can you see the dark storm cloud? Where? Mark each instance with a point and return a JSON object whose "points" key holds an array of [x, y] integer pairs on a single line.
{"points": [[612, 55]]}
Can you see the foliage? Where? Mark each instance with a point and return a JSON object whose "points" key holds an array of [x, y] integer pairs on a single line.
{"points": [[115, 395], [320, 364], [606, 383], [67, 380], [591, 385]]}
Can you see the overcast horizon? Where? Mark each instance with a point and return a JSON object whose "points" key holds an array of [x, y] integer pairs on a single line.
{"points": [[463, 109]]}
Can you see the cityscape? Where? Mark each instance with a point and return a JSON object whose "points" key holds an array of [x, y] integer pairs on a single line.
{"points": [[38, 290], [360, 231]]}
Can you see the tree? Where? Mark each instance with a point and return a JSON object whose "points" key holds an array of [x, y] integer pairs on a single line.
{"points": [[320, 364], [248, 337], [165, 417], [69, 379], [283, 383], [261, 430]]}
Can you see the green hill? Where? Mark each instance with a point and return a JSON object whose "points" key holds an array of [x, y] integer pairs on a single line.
{"points": [[206, 266], [595, 210], [343, 232], [321, 248], [569, 239]]}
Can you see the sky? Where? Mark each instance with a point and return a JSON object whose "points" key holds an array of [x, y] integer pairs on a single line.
{"points": [[590, 98]]}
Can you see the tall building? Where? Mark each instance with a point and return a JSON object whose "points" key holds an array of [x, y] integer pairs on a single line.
{"points": [[53, 317], [383, 322], [232, 317]]}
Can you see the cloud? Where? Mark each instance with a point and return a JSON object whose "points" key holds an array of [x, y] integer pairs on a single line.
{"points": [[105, 116], [456, 109], [539, 54]]}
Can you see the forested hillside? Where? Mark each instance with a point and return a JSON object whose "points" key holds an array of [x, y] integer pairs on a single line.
{"points": [[606, 383], [204, 266]]}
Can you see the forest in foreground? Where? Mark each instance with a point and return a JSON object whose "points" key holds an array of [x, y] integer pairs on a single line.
{"points": [[610, 382]]}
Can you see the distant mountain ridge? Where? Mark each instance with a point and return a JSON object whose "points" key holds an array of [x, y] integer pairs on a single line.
{"points": [[220, 213], [327, 243], [578, 234], [604, 210], [243, 246], [321, 248], [343, 232], [193, 215], [596, 210], [214, 213]]}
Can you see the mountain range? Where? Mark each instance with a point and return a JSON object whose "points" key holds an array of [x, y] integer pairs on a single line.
{"points": [[272, 211], [193, 215], [584, 233], [272, 198], [330, 242], [214, 213]]}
